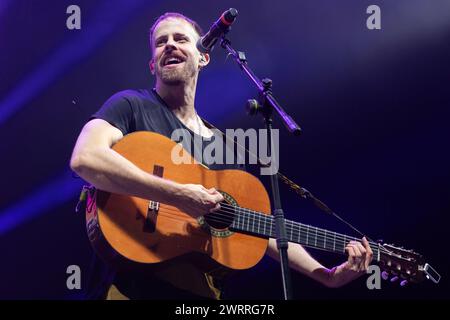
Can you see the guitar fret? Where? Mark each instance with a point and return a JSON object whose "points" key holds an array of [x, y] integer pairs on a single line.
{"points": [[378, 252], [307, 234], [304, 234], [264, 224], [291, 230], [240, 216], [253, 224], [334, 242], [325, 240], [259, 220], [315, 241]]}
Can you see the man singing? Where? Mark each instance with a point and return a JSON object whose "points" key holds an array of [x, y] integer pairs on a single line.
{"points": [[176, 64]]}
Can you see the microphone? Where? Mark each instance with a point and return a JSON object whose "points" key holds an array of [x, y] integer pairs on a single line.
{"points": [[206, 43]]}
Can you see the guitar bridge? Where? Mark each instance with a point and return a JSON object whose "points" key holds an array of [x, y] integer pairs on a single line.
{"points": [[152, 212], [153, 206]]}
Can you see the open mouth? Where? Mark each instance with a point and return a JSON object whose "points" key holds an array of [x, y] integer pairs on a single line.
{"points": [[171, 61]]}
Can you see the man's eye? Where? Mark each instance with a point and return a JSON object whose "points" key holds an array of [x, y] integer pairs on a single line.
{"points": [[183, 40]]}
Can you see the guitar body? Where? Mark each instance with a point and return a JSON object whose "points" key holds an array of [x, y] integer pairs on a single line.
{"points": [[145, 232]]}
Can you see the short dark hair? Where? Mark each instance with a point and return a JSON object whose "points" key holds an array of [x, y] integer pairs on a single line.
{"points": [[176, 15]]}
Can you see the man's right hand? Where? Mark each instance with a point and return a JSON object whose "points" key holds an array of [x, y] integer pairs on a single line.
{"points": [[196, 200]]}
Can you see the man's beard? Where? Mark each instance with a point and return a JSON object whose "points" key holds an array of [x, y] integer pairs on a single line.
{"points": [[178, 75]]}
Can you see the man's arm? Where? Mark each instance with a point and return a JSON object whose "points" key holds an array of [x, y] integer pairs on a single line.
{"points": [[95, 161], [359, 258]]}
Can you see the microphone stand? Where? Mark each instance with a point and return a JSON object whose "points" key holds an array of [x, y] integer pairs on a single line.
{"points": [[266, 105]]}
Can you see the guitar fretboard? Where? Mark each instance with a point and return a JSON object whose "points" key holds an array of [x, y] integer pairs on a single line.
{"points": [[263, 225]]}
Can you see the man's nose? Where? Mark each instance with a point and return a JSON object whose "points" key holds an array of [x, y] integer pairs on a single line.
{"points": [[170, 45]]}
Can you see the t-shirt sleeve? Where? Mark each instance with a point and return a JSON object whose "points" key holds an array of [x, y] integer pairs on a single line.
{"points": [[118, 111]]}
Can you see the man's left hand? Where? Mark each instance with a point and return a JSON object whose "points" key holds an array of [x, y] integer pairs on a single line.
{"points": [[359, 258]]}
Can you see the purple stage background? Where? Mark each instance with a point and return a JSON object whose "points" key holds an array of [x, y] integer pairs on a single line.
{"points": [[373, 104]]}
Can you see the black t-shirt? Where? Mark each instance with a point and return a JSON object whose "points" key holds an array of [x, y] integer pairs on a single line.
{"points": [[141, 110]]}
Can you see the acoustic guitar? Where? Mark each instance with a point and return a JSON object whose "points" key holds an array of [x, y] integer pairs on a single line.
{"points": [[141, 231]]}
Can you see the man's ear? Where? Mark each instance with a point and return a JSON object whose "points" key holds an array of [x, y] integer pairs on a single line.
{"points": [[204, 59], [151, 65]]}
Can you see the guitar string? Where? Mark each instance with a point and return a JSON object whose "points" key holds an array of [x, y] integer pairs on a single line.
{"points": [[294, 233], [321, 233], [327, 246], [269, 218]]}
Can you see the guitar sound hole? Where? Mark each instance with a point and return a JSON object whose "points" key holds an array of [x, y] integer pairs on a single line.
{"points": [[221, 219]]}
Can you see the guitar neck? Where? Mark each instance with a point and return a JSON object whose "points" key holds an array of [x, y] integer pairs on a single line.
{"points": [[263, 225]]}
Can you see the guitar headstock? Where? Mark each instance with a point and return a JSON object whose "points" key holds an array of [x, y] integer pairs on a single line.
{"points": [[406, 265]]}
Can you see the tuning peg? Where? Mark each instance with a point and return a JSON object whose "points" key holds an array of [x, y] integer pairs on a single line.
{"points": [[385, 275], [393, 279], [403, 283]]}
